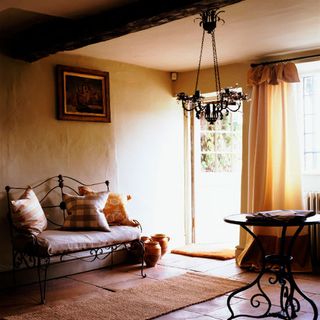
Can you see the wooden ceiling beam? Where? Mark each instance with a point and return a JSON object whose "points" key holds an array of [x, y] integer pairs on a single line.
{"points": [[44, 39]]}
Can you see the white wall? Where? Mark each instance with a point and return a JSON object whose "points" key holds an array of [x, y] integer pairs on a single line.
{"points": [[150, 154]]}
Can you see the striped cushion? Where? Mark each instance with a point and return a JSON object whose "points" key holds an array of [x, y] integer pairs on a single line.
{"points": [[27, 213], [85, 212]]}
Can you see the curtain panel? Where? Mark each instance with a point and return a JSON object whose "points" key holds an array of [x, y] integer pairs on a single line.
{"points": [[274, 171]]}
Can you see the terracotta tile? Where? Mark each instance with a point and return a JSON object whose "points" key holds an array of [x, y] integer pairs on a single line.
{"points": [[226, 271], [183, 315], [115, 286], [60, 290], [272, 292], [212, 265], [304, 316], [308, 276], [21, 309], [273, 295], [185, 262], [134, 268], [248, 277], [309, 285], [241, 308], [171, 257], [103, 277], [163, 272], [18, 300], [306, 306], [27, 298], [208, 307]]}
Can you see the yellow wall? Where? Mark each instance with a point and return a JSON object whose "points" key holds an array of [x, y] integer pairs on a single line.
{"points": [[140, 151], [230, 75]]}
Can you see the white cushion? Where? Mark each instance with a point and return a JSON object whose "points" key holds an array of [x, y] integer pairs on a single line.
{"points": [[27, 213], [53, 242]]}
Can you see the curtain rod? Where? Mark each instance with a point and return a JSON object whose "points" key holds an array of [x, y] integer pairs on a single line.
{"points": [[283, 60]]}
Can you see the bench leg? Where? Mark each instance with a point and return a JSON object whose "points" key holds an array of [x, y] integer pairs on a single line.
{"points": [[43, 268], [21, 259], [137, 253], [14, 267], [141, 244]]}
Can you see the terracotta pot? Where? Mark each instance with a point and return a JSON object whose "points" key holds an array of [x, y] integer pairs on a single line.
{"points": [[163, 241], [152, 253], [145, 238]]}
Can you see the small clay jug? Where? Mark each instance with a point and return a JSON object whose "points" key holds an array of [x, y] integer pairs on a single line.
{"points": [[145, 238], [163, 241], [152, 253]]}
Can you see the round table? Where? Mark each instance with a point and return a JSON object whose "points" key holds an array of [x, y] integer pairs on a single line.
{"points": [[289, 304]]}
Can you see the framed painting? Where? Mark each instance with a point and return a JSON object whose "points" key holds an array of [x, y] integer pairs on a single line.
{"points": [[83, 94]]}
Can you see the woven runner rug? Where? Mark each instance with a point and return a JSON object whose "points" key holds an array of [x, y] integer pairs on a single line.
{"points": [[142, 302], [205, 250]]}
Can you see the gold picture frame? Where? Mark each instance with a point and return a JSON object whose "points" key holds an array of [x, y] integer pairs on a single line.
{"points": [[83, 94]]}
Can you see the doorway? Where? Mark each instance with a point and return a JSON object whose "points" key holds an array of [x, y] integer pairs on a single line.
{"points": [[217, 155]]}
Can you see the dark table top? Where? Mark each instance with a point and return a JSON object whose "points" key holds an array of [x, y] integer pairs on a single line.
{"points": [[240, 219]]}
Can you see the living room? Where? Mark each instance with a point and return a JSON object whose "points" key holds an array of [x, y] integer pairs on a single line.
{"points": [[142, 150]]}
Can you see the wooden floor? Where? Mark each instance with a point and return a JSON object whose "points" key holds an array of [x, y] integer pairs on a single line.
{"points": [[70, 288]]}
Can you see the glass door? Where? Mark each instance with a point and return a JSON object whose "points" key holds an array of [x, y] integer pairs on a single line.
{"points": [[217, 179]]}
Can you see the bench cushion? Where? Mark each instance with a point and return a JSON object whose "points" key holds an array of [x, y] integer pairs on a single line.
{"points": [[27, 213], [54, 242], [85, 212]]}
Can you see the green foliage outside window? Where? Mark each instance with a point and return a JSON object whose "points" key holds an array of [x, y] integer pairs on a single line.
{"points": [[221, 144]]}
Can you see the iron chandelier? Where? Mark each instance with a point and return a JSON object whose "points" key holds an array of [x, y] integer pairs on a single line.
{"points": [[227, 99]]}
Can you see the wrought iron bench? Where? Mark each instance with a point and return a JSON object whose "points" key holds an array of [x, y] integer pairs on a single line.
{"points": [[56, 245]]}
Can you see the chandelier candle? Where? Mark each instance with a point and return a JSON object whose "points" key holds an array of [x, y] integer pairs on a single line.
{"points": [[228, 99]]}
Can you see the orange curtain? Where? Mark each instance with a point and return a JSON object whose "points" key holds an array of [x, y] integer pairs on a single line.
{"points": [[274, 174]]}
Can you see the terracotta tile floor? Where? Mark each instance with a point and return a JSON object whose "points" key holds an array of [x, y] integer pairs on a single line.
{"points": [[26, 298]]}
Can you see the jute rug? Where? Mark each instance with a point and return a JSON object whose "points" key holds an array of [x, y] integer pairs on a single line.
{"points": [[205, 250], [139, 303]]}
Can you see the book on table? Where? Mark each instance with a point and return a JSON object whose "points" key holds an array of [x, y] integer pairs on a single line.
{"points": [[281, 215]]}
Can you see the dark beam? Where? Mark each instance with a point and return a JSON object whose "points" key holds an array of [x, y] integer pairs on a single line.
{"points": [[39, 41]]}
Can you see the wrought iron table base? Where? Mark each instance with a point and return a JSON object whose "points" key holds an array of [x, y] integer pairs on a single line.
{"points": [[289, 304]]}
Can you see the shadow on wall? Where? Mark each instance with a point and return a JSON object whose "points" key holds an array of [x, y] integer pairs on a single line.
{"points": [[5, 240]]}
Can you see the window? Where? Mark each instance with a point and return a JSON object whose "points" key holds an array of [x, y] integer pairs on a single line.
{"points": [[311, 119], [221, 144], [308, 98]]}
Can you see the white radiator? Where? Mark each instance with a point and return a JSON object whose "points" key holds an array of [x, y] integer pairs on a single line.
{"points": [[313, 203]]}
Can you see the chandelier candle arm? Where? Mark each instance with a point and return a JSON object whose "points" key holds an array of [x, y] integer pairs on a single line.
{"points": [[228, 99]]}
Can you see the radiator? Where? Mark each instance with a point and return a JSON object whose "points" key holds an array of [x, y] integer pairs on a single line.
{"points": [[313, 203]]}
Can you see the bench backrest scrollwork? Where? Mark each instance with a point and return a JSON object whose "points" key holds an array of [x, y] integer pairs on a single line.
{"points": [[50, 194]]}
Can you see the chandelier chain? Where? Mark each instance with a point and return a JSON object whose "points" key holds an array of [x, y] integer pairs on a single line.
{"points": [[216, 66], [200, 59]]}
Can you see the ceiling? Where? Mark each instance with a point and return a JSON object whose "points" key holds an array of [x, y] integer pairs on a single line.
{"points": [[253, 30]]}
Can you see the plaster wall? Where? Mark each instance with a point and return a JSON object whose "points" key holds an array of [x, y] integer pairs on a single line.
{"points": [[140, 151]]}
